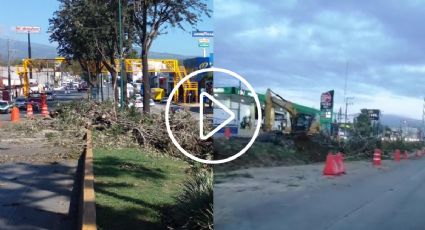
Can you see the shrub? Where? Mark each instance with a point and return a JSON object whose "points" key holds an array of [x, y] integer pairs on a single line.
{"points": [[194, 206]]}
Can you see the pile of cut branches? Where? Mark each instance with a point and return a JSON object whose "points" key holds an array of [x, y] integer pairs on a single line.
{"points": [[129, 127]]}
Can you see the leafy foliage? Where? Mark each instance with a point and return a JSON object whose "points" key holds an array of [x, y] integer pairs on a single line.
{"points": [[87, 31], [194, 206], [363, 125], [152, 18]]}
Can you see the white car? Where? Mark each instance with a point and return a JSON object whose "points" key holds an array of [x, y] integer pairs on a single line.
{"points": [[139, 97], [5, 107], [139, 103]]}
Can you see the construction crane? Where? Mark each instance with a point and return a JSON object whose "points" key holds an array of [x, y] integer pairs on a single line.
{"points": [[167, 66], [303, 120], [131, 65], [30, 64]]}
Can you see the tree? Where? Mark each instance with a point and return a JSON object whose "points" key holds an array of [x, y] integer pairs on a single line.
{"points": [[363, 125], [68, 28], [152, 18], [87, 31]]}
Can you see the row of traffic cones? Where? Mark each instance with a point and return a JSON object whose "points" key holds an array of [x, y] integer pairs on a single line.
{"points": [[397, 156], [44, 110], [14, 115], [334, 165]]}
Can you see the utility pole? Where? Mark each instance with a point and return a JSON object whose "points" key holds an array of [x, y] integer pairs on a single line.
{"points": [[121, 54], [423, 121], [345, 92], [348, 101], [29, 52], [9, 78], [239, 103]]}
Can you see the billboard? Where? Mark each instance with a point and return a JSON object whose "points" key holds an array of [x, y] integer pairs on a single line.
{"points": [[373, 114], [28, 29], [327, 100], [203, 42], [203, 34], [326, 106]]}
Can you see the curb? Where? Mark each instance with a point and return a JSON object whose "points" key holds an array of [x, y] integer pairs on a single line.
{"points": [[87, 207]]}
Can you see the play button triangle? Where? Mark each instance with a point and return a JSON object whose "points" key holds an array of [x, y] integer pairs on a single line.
{"points": [[201, 114]]}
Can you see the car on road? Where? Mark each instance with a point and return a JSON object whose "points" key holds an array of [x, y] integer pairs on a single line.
{"points": [[138, 103], [138, 96], [5, 107], [50, 96], [164, 100], [21, 102], [175, 108]]}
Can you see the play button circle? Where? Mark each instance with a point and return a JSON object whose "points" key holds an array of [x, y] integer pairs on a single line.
{"points": [[202, 136]]}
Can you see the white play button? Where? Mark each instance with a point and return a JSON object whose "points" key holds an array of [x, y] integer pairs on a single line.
{"points": [[201, 123], [201, 114]]}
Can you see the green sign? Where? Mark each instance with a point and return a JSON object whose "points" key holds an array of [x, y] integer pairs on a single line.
{"points": [[204, 42]]}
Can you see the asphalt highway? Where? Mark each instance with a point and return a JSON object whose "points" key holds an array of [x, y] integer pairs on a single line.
{"points": [[392, 197]]}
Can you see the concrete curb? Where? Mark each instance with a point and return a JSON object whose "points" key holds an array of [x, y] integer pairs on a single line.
{"points": [[87, 207]]}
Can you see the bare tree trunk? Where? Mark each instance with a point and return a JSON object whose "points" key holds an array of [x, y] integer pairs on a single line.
{"points": [[146, 82], [125, 88], [114, 86]]}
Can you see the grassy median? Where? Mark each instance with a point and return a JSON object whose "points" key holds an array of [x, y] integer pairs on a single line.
{"points": [[132, 187]]}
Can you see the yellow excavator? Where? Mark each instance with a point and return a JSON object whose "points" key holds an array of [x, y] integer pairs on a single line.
{"points": [[303, 120]]}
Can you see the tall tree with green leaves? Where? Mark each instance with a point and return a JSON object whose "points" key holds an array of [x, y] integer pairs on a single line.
{"points": [[153, 17], [74, 42], [363, 124], [87, 31]]}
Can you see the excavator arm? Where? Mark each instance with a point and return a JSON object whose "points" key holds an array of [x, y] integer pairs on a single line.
{"points": [[273, 99]]}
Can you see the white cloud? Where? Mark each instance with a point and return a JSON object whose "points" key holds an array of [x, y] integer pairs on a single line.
{"points": [[227, 9], [300, 50], [271, 31], [419, 69]]}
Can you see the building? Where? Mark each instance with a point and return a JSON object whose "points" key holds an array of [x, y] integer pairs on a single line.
{"points": [[295, 118]]}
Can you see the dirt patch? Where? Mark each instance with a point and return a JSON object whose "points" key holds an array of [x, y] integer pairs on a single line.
{"points": [[22, 142]]}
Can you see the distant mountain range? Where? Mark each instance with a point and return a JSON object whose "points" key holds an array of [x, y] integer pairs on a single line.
{"points": [[393, 120], [20, 51]]}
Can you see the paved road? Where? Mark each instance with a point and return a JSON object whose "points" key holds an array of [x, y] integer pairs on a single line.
{"points": [[390, 198], [61, 98], [37, 196], [36, 191]]}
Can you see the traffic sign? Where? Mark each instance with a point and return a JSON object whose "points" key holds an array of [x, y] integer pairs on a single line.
{"points": [[204, 34], [204, 42], [28, 29]]}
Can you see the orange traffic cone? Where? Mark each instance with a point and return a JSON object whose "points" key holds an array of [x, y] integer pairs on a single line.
{"points": [[397, 155], [227, 133], [377, 157], [340, 162], [405, 155], [14, 115], [331, 167], [44, 110], [30, 113]]}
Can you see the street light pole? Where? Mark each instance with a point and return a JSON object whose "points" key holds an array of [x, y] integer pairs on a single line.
{"points": [[121, 54], [9, 78], [29, 52]]}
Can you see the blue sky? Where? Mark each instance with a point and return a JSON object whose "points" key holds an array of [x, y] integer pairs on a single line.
{"points": [[37, 13], [300, 49]]}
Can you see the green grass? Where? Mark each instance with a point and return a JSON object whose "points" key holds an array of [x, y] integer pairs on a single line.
{"points": [[132, 187]]}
